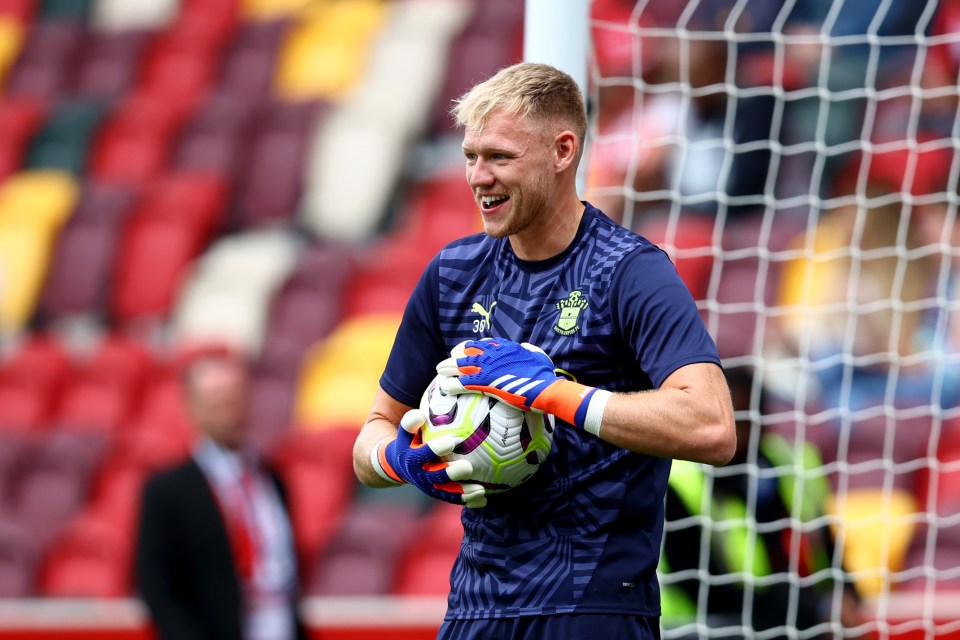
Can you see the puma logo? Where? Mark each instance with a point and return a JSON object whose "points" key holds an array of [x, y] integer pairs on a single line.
{"points": [[482, 323]]}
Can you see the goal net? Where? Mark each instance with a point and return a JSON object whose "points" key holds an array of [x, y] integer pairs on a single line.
{"points": [[797, 159]]}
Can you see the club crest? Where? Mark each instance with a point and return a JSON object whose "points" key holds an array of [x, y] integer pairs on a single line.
{"points": [[569, 321]]}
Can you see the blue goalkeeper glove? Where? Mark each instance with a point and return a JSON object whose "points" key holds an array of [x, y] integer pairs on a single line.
{"points": [[406, 459], [522, 375]]}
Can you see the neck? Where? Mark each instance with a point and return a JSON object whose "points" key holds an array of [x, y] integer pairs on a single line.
{"points": [[553, 233]]}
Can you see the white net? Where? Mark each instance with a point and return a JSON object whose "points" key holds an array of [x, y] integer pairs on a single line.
{"points": [[798, 161]]}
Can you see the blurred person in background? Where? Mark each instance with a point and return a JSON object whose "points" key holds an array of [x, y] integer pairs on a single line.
{"points": [[215, 552], [698, 506]]}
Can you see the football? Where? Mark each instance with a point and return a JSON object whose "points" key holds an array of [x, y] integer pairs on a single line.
{"points": [[505, 445]]}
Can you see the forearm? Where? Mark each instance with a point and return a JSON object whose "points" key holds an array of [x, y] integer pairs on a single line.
{"points": [[373, 432], [689, 417], [669, 423]]}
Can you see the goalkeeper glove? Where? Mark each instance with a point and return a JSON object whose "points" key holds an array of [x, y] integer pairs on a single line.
{"points": [[406, 459], [523, 376]]}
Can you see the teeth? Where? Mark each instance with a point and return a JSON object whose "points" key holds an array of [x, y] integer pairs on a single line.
{"points": [[488, 200]]}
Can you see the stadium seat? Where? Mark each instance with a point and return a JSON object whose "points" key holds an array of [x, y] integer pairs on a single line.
{"points": [[80, 268], [63, 142], [39, 199], [33, 206], [389, 273], [47, 497], [340, 375], [19, 557], [178, 68], [306, 461], [270, 10], [341, 201], [212, 140], [23, 11], [13, 448], [406, 60], [424, 569], [134, 141], [323, 54], [876, 527], [108, 64], [91, 559], [306, 308], [19, 121], [227, 294], [169, 227], [271, 408], [272, 171], [120, 15], [45, 64], [249, 62], [213, 21], [11, 36], [30, 384], [362, 558], [473, 57]]}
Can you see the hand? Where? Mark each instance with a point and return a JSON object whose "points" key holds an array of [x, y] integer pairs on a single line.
{"points": [[515, 373], [407, 459], [522, 375]]}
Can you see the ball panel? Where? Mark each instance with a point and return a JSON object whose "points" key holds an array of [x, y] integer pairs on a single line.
{"points": [[505, 445]]}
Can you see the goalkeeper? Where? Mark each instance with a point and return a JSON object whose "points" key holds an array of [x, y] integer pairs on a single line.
{"points": [[573, 552]]}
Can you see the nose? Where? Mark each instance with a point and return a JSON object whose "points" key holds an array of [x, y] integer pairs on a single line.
{"points": [[479, 175]]}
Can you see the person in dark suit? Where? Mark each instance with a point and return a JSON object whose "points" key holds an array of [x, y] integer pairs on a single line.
{"points": [[215, 551]]}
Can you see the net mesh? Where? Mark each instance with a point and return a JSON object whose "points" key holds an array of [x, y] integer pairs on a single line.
{"points": [[797, 160]]}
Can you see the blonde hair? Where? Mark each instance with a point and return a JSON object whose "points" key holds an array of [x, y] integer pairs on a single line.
{"points": [[530, 90]]}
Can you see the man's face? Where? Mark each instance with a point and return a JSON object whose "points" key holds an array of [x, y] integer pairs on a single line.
{"points": [[510, 172], [217, 399]]}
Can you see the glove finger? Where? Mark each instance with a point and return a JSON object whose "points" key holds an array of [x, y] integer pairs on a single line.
{"points": [[532, 347], [412, 421], [459, 470], [474, 495], [442, 445], [448, 367], [452, 387]]}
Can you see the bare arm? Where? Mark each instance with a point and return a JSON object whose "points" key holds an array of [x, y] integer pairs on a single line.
{"points": [[381, 423], [689, 417]]}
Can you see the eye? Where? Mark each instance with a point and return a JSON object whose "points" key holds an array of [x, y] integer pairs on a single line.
{"points": [[499, 156], [471, 157]]}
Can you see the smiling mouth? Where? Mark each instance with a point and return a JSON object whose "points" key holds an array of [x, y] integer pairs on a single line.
{"points": [[489, 203]]}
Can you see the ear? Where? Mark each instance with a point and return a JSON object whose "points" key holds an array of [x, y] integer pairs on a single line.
{"points": [[565, 147]]}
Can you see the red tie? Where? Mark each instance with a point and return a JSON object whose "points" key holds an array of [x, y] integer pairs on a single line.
{"points": [[242, 539]]}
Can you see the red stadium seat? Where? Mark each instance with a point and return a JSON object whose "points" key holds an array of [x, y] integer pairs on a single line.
{"points": [[30, 383], [426, 564], [22, 10], [92, 559], [213, 21], [104, 391], [171, 224], [178, 67], [307, 461], [133, 144], [19, 121]]}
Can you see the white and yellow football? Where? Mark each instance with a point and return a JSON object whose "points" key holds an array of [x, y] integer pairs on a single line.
{"points": [[505, 445]]}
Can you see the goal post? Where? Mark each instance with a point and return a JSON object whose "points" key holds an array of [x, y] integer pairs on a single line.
{"points": [[798, 161]]}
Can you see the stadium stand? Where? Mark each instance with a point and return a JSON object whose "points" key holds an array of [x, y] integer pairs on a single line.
{"points": [[173, 172]]}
